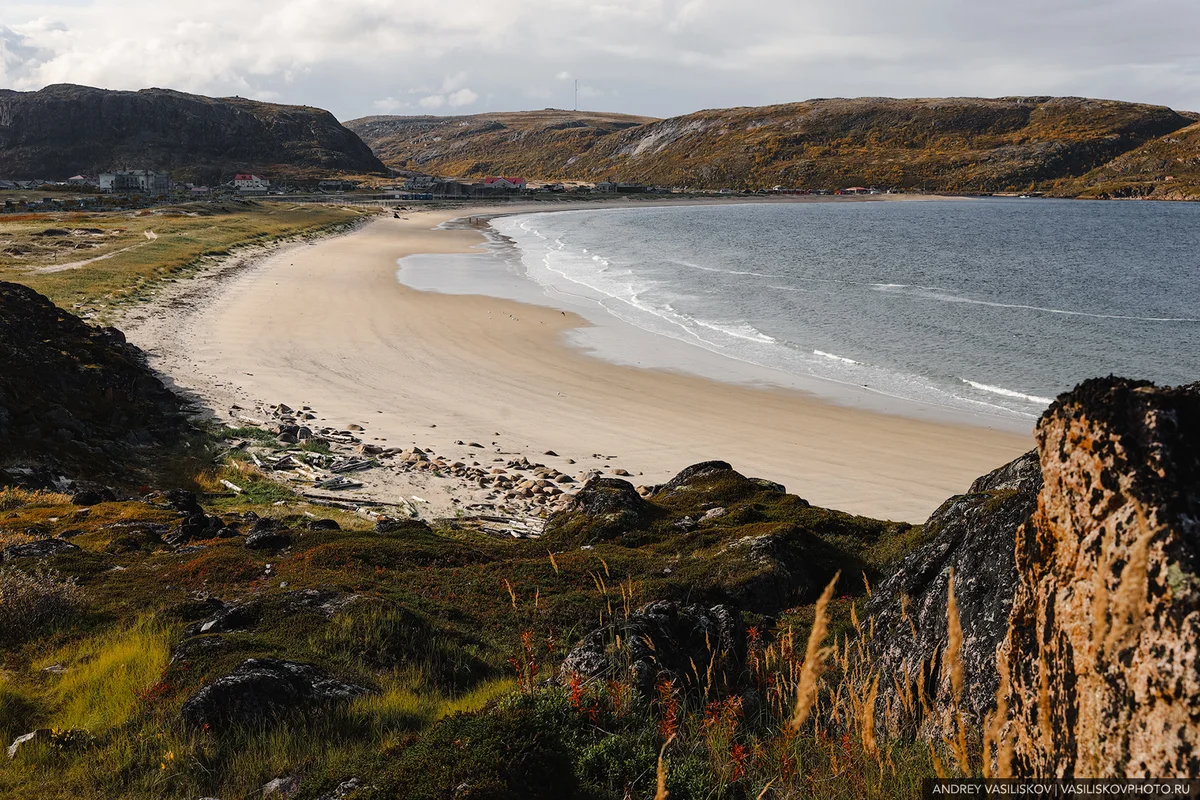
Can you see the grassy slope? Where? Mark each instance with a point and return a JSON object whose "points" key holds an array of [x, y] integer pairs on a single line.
{"points": [[952, 144], [436, 634], [187, 235]]}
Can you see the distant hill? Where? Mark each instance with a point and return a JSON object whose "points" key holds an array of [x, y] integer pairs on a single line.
{"points": [[534, 142], [949, 144], [1166, 168], [64, 130]]}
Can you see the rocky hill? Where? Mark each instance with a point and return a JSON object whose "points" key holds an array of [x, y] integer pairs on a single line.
{"points": [[532, 142], [949, 144], [63, 130], [76, 401], [1166, 168]]}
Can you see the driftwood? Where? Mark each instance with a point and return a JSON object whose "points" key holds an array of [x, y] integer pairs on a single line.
{"points": [[232, 486], [354, 466], [322, 498], [339, 483]]}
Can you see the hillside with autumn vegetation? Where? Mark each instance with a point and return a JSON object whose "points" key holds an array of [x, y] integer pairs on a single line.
{"points": [[951, 144]]}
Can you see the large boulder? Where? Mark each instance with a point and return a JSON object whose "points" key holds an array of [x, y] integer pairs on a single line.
{"points": [[663, 640], [1102, 656], [602, 510], [972, 534], [261, 690]]}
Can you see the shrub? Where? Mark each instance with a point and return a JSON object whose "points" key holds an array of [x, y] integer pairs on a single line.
{"points": [[31, 601]]}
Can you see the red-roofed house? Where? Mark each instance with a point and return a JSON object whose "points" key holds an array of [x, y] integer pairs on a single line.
{"points": [[247, 182], [504, 183]]}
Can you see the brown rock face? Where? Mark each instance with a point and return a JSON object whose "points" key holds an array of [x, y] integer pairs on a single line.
{"points": [[64, 129], [1100, 670]]}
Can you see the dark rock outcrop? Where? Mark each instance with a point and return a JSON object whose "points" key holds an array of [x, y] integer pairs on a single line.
{"points": [[267, 534], [63, 130], [1102, 656], [74, 397], [260, 690], [606, 507], [664, 640], [974, 535], [38, 549], [688, 474], [227, 619]]}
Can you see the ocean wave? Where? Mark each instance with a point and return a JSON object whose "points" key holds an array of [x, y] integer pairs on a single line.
{"points": [[1000, 390], [691, 265], [835, 357], [936, 293]]}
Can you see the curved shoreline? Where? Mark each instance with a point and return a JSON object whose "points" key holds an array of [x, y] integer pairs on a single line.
{"points": [[327, 325]]}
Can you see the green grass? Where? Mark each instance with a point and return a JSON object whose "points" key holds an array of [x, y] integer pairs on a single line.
{"points": [[134, 264]]}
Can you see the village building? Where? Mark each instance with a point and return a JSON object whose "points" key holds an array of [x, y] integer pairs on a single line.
{"points": [[248, 183], [504, 183], [136, 181]]}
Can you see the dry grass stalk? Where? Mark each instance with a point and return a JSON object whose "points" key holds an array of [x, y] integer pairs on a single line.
{"points": [[511, 593], [661, 793], [954, 642], [553, 563], [868, 719], [938, 768], [814, 658]]}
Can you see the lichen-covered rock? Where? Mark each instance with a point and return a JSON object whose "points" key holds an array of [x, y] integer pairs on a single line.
{"points": [[603, 509], [1102, 656], [696, 647], [973, 534], [262, 689]]}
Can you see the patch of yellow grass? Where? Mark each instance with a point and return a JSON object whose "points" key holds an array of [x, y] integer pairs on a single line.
{"points": [[403, 706], [106, 675], [13, 498]]}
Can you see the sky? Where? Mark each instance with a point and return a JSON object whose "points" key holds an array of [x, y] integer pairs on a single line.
{"points": [[653, 57]]}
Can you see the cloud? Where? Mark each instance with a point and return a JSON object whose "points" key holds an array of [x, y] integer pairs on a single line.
{"points": [[389, 105], [463, 97], [658, 57]]}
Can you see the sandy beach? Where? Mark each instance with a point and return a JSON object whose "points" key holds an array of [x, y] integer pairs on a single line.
{"points": [[327, 325]]}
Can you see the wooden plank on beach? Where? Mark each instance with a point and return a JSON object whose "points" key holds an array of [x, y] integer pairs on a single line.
{"points": [[358, 501]]}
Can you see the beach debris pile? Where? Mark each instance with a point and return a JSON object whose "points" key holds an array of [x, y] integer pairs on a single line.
{"points": [[496, 492]]}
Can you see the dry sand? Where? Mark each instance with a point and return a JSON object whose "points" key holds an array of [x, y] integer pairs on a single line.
{"points": [[328, 325]]}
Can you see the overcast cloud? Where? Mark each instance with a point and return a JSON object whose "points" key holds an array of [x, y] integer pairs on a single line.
{"points": [[654, 57]]}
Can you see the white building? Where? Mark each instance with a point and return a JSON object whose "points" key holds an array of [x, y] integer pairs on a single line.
{"points": [[504, 183], [251, 184], [143, 181]]}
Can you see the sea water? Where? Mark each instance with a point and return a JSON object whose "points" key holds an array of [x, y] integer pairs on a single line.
{"points": [[986, 306]]}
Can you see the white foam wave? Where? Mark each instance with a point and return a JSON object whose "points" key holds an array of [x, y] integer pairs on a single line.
{"points": [[835, 357], [936, 293], [1000, 390], [692, 265]]}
